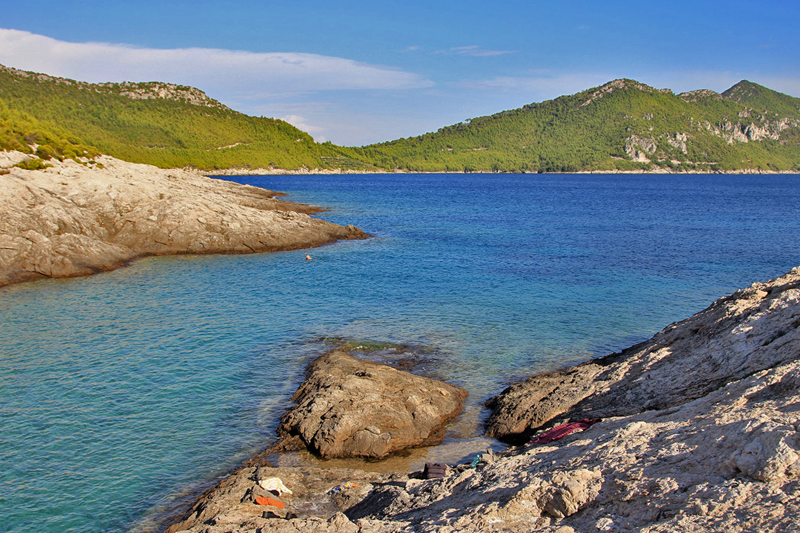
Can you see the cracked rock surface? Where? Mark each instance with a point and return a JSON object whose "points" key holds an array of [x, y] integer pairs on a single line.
{"points": [[751, 330], [74, 220]]}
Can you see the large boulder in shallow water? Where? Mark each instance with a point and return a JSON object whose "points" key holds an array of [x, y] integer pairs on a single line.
{"points": [[348, 407]]}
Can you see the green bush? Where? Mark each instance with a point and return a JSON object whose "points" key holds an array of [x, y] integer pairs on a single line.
{"points": [[33, 164], [46, 151]]}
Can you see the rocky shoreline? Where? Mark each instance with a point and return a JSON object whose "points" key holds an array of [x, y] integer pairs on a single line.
{"points": [[697, 429], [75, 219], [242, 171]]}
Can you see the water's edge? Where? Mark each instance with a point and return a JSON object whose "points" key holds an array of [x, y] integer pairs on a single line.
{"points": [[151, 382]]}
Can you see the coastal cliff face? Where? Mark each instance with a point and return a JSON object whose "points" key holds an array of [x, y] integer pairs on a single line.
{"points": [[73, 219], [700, 432]]}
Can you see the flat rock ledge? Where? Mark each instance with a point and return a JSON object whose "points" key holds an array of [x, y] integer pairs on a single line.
{"points": [[349, 407], [752, 330], [318, 497], [74, 220]]}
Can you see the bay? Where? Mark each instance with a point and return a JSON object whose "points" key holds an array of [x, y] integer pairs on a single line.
{"points": [[124, 393]]}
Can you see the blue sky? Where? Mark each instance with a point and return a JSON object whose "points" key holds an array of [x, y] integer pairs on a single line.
{"points": [[356, 72]]}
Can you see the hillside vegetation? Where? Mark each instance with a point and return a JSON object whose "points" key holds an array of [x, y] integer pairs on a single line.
{"points": [[622, 125], [157, 123], [19, 131]]}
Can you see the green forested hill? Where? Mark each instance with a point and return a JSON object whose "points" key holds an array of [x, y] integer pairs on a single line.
{"points": [[622, 125], [157, 123], [19, 131]]}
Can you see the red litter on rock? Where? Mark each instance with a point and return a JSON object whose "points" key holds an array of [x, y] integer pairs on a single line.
{"points": [[264, 500], [559, 432]]}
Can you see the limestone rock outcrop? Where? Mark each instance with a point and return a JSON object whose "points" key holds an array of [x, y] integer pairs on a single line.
{"points": [[349, 407], [318, 497], [751, 330], [73, 220], [700, 432], [729, 461]]}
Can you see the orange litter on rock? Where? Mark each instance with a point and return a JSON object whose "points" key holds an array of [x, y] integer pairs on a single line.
{"points": [[264, 500]]}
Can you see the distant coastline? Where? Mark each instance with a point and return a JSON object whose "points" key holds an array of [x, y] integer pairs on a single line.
{"points": [[623, 126], [93, 235], [241, 171]]}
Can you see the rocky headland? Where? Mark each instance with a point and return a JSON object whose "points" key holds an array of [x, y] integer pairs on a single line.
{"points": [[74, 219], [699, 430]]}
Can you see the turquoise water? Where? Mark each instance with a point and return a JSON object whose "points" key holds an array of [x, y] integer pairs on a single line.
{"points": [[122, 393]]}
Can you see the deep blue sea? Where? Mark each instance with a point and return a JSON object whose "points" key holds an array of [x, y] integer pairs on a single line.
{"points": [[124, 393]]}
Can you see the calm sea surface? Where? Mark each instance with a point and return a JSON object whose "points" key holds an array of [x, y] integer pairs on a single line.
{"points": [[122, 393]]}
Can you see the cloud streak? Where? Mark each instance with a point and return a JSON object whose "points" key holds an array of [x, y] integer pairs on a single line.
{"points": [[226, 71], [474, 51], [538, 86], [544, 85]]}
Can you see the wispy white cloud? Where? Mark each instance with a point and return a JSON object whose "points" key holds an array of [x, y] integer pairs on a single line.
{"points": [[225, 71], [545, 85], [412, 48], [301, 122], [539, 86], [475, 51]]}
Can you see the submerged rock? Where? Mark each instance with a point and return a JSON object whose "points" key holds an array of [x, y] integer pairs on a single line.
{"points": [[72, 220], [349, 407]]}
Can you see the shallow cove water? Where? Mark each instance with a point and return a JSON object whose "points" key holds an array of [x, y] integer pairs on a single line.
{"points": [[126, 392]]}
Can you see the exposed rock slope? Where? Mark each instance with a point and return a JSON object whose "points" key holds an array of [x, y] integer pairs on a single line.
{"points": [[72, 220], [725, 462], [134, 91], [751, 330], [349, 407], [719, 451]]}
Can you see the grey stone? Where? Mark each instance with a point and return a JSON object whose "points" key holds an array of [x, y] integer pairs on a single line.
{"points": [[348, 407]]}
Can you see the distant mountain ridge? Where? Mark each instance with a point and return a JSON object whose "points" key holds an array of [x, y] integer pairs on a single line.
{"points": [[623, 125], [135, 91]]}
